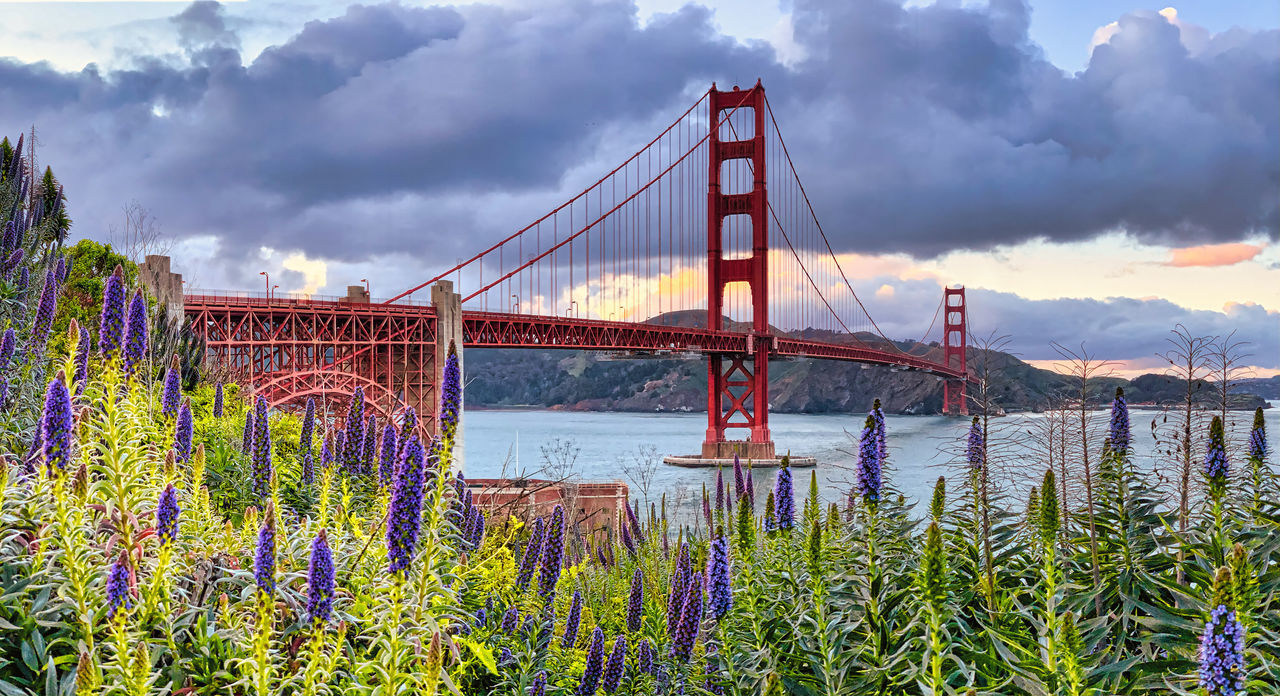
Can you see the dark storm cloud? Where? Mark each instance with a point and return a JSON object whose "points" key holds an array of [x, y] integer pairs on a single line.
{"points": [[392, 128], [949, 129]]}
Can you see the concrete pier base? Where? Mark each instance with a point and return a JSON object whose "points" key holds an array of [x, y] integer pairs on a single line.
{"points": [[694, 461]]}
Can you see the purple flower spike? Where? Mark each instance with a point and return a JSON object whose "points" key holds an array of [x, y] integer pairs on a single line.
{"points": [[627, 542], [182, 434], [1216, 466], [320, 576], [1118, 430], [45, 311], [720, 490], [246, 445], [4, 393], [450, 394], [868, 468], [510, 620], [326, 455], [595, 664], [532, 554], [308, 426], [8, 346], [369, 445], [739, 486], [617, 661], [784, 498], [1222, 654], [264, 559], [571, 621], [635, 604], [11, 263], [1257, 449], [135, 333], [261, 463], [720, 589], [406, 507], [644, 656], [119, 595], [352, 451], [477, 528], [553, 554], [167, 516], [55, 426], [634, 521], [24, 280], [539, 685], [751, 488], [678, 587], [217, 401], [172, 390], [975, 450], [387, 461], [690, 620], [82, 361], [882, 445]]}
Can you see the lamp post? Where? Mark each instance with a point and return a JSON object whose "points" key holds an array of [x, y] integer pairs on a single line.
{"points": [[517, 305], [367, 294], [273, 290], [573, 305], [266, 281]]}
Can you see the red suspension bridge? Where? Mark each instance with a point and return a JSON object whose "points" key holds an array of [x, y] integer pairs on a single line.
{"points": [[704, 241]]}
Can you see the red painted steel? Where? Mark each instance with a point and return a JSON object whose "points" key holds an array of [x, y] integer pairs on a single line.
{"points": [[289, 348], [955, 331], [738, 395]]}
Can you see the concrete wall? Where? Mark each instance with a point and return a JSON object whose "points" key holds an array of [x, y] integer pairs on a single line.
{"points": [[162, 283]]}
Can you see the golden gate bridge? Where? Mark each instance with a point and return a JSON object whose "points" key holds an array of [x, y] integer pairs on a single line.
{"points": [[703, 242]]}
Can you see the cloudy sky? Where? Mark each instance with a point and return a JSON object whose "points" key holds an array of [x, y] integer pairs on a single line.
{"points": [[1093, 170]]}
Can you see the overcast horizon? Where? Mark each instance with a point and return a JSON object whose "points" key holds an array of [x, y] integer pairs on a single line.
{"points": [[1091, 171]]}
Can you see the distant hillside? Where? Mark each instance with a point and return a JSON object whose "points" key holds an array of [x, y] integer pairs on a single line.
{"points": [[578, 380], [1268, 388]]}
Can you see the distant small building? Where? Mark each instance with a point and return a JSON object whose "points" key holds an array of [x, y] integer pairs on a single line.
{"points": [[595, 504]]}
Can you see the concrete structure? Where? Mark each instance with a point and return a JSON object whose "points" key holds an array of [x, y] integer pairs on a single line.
{"points": [[595, 504], [162, 283]]}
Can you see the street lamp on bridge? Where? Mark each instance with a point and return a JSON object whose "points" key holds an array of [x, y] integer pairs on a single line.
{"points": [[517, 305], [267, 281]]}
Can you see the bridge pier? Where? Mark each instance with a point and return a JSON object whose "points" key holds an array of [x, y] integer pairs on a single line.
{"points": [[448, 306]]}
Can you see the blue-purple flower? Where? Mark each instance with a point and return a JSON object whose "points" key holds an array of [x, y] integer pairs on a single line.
{"points": [[617, 661], [111, 321], [326, 454], [720, 490], [11, 262], [678, 587], [182, 430], [635, 603], [739, 486], [476, 536], [538, 687], [1216, 466], [1222, 654], [644, 656], [305, 440], [532, 554], [167, 515], [352, 451], [217, 401], [510, 620], [135, 333], [246, 445], [1118, 429], [553, 554], [45, 312], [975, 450], [261, 462], [82, 359], [719, 589], [387, 460], [24, 280], [628, 543], [405, 516], [172, 390], [690, 620], [595, 664], [8, 346], [1257, 449], [571, 621], [119, 594], [868, 469], [450, 395], [636, 532], [264, 558], [784, 497], [320, 577], [55, 425], [882, 443]]}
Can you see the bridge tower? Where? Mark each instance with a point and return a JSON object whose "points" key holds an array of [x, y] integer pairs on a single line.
{"points": [[955, 398], [738, 385]]}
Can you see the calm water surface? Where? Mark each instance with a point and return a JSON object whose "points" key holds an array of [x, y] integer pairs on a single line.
{"points": [[498, 443]]}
